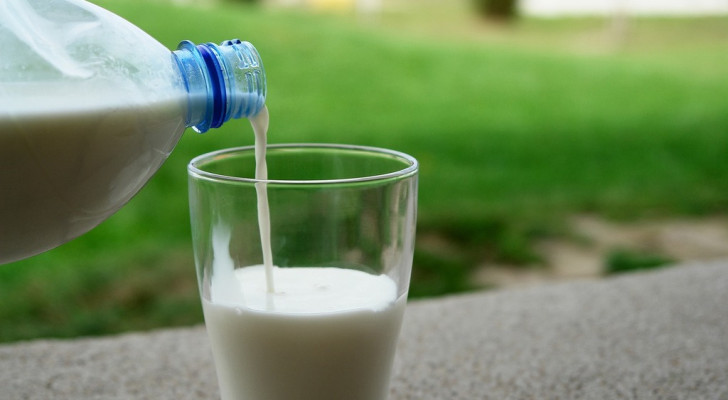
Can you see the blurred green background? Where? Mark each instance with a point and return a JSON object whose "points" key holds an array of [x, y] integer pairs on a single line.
{"points": [[517, 125]]}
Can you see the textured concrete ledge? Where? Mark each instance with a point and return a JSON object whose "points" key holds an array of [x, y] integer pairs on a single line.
{"points": [[661, 335]]}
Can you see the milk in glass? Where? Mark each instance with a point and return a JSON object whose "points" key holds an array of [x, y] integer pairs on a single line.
{"points": [[302, 333]]}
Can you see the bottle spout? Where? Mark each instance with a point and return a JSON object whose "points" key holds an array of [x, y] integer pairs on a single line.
{"points": [[222, 81]]}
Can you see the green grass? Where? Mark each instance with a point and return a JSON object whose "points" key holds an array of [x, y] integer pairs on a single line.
{"points": [[515, 128], [620, 261]]}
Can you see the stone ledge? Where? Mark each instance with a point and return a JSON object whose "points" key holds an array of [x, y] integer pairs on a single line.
{"points": [[660, 335]]}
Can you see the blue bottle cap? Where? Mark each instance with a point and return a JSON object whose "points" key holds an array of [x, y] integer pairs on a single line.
{"points": [[222, 82]]}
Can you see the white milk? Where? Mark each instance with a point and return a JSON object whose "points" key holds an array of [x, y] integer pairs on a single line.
{"points": [[260, 129], [65, 167], [325, 334]]}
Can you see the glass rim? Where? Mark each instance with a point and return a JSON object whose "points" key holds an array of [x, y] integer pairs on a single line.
{"points": [[194, 168]]}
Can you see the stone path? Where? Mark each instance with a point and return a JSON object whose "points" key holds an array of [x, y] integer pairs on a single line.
{"points": [[660, 335]]}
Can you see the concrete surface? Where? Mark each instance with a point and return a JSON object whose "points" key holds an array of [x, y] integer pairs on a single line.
{"points": [[660, 335]]}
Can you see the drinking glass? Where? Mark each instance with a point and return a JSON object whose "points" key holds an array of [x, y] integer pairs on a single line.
{"points": [[342, 220]]}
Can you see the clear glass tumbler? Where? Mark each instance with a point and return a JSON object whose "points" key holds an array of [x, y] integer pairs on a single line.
{"points": [[321, 320]]}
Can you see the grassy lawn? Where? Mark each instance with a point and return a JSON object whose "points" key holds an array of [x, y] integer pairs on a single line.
{"points": [[515, 127]]}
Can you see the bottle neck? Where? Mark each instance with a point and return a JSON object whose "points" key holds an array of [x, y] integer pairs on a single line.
{"points": [[222, 81]]}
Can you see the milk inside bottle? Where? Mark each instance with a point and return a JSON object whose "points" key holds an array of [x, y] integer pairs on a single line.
{"points": [[91, 106]]}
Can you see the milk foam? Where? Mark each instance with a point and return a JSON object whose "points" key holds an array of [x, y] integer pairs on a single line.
{"points": [[307, 290]]}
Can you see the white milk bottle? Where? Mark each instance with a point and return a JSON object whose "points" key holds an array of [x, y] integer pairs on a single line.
{"points": [[91, 106]]}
